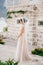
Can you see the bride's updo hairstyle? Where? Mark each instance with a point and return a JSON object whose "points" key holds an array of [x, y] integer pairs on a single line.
{"points": [[21, 21]]}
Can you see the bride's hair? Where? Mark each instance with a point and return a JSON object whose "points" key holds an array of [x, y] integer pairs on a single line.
{"points": [[22, 20]]}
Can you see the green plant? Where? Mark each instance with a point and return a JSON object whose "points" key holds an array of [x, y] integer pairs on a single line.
{"points": [[38, 51], [9, 16], [16, 63], [8, 12], [2, 63], [5, 29], [9, 62], [13, 12], [20, 11], [2, 42]]}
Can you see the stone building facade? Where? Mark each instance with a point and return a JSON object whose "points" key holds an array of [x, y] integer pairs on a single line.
{"points": [[35, 16]]}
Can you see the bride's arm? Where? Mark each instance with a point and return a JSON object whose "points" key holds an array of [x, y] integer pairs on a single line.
{"points": [[21, 32]]}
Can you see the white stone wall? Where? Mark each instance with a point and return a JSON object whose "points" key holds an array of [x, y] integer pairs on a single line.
{"points": [[13, 29]]}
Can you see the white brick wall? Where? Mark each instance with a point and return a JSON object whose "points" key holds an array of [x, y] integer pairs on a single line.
{"points": [[14, 28]]}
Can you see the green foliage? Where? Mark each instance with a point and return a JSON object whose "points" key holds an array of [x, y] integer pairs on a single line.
{"points": [[9, 62], [9, 16], [5, 29], [13, 12], [38, 51], [16, 63], [20, 11], [1, 41], [2, 63], [8, 12]]}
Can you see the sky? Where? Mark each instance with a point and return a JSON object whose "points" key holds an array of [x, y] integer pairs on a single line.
{"points": [[3, 10], [2, 14]]}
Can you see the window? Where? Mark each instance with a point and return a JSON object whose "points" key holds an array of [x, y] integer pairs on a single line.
{"points": [[40, 23]]}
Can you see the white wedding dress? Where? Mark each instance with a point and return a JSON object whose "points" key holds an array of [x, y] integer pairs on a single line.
{"points": [[22, 48]]}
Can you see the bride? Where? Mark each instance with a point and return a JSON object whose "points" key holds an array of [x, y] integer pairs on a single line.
{"points": [[22, 50]]}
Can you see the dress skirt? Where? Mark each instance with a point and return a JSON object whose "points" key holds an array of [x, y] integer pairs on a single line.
{"points": [[22, 49]]}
